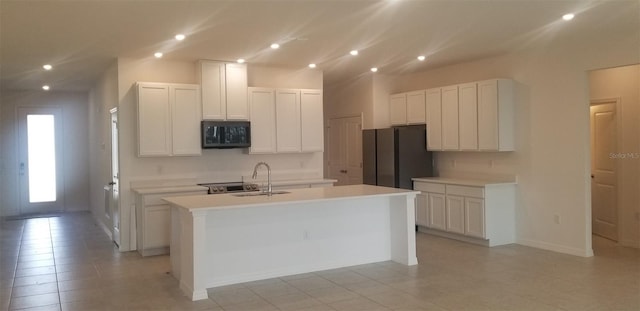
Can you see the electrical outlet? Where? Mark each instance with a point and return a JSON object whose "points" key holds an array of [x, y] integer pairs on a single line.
{"points": [[556, 219]]}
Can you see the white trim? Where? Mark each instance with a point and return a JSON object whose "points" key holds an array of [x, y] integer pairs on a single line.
{"points": [[556, 247]]}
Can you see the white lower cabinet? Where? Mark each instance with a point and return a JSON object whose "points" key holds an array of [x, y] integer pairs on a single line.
{"points": [[422, 218], [455, 214], [153, 220], [480, 214]]}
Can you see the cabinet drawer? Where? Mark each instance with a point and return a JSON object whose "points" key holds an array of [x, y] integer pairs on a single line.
{"points": [[475, 192], [156, 199], [429, 187]]}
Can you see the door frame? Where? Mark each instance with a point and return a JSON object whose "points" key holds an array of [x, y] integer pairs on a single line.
{"points": [[114, 204], [618, 118], [58, 136]]}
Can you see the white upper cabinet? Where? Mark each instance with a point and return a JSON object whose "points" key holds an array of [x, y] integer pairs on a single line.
{"points": [[407, 108], [450, 118], [154, 120], [496, 115], [168, 119], [468, 117], [398, 109], [185, 120], [237, 107], [224, 90], [476, 116], [286, 120], [416, 107], [434, 119], [311, 120], [262, 104], [288, 138], [214, 97]]}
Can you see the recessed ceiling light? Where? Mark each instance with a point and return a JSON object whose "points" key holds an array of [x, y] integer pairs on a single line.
{"points": [[568, 17], [374, 69], [275, 46], [240, 61], [421, 58], [180, 37], [47, 67], [45, 87], [158, 55], [354, 52], [312, 65]]}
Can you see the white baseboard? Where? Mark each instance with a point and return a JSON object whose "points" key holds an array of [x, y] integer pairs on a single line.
{"points": [[557, 247]]}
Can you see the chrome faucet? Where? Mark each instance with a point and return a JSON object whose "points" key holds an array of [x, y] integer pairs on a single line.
{"points": [[255, 174]]}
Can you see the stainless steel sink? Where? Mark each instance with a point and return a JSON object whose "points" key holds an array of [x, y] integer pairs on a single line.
{"points": [[255, 194]]}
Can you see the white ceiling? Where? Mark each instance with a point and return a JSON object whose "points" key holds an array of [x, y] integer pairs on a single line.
{"points": [[81, 38]]}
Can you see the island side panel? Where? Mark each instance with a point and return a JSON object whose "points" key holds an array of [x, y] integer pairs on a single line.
{"points": [[192, 249], [270, 241], [403, 236]]}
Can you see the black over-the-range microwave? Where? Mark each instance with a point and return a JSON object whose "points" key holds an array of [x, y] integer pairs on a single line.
{"points": [[225, 134]]}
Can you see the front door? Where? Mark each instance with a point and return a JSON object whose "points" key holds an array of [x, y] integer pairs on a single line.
{"points": [[604, 194], [39, 160], [345, 150]]}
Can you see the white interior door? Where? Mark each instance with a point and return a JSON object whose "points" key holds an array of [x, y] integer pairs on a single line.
{"points": [[345, 150], [40, 160], [604, 194], [113, 211]]}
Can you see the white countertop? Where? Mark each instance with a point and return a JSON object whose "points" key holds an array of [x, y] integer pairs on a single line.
{"points": [[464, 181], [169, 189], [307, 195]]}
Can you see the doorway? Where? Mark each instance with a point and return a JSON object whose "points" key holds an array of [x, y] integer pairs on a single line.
{"points": [[345, 150], [40, 160], [604, 188]]}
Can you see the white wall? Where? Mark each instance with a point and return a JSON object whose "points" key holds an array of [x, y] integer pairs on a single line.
{"points": [[624, 83], [75, 153], [214, 165], [351, 98], [102, 99], [552, 132]]}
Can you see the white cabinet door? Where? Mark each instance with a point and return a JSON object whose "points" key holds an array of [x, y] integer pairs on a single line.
{"points": [[236, 100], [311, 120], [496, 115], [488, 115], [213, 84], [416, 107], [398, 109], [288, 120], [157, 233], [468, 116], [455, 214], [421, 209], [154, 120], [263, 120], [185, 117], [474, 217], [434, 119], [450, 118], [437, 218]]}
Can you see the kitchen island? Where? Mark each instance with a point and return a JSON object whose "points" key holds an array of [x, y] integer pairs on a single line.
{"points": [[226, 239]]}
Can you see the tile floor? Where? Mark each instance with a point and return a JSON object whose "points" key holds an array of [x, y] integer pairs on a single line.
{"points": [[68, 263]]}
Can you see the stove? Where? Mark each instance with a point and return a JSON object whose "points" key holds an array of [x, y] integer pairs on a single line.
{"points": [[229, 187]]}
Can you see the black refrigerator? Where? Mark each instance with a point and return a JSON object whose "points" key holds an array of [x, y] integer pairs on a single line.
{"points": [[392, 156]]}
